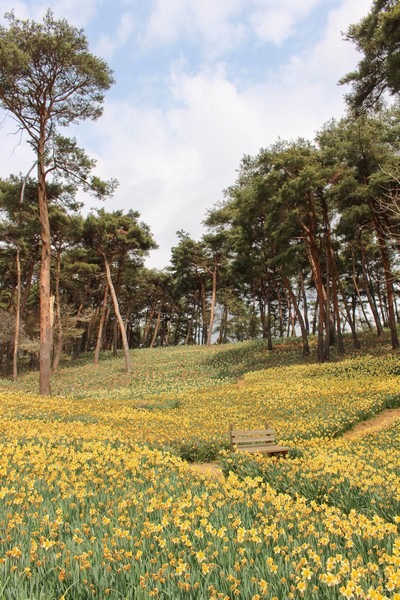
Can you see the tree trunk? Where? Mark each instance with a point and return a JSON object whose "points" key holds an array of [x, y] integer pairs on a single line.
{"points": [[303, 329], [390, 299], [58, 348], [305, 303], [327, 287], [261, 305], [335, 298], [45, 264], [177, 328], [291, 330], [389, 284], [101, 326], [280, 312], [268, 326], [118, 316], [168, 332], [77, 346], [335, 302], [28, 284], [91, 327], [147, 325], [382, 304], [17, 317], [357, 289], [350, 319], [315, 315], [371, 299], [128, 314], [313, 257], [153, 339], [222, 328], [189, 330], [115, 339], [212, 308], [204, 335]]}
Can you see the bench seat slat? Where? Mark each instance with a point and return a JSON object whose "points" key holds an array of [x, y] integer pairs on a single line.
{"points": [[240, 439], [266, 448], [252, 431]]}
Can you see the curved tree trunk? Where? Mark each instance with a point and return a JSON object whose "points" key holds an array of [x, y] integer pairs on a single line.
{"points": [[153, 339], [118, 316], [313, 257], [101, 326], [303, 329], [147, 325]]}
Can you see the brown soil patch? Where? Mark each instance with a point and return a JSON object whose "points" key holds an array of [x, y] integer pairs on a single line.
{"points": [[241, 382], [210, 469], [384, 419]]}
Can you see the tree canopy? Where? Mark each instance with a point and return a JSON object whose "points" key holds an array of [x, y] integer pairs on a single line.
{"points": [[377, 37]]}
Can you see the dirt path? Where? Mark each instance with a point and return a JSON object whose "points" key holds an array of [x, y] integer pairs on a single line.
{"points": [[210, 469], [384, 419]]}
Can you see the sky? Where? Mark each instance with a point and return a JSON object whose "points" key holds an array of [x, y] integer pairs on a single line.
{"points": [[199, 84]]}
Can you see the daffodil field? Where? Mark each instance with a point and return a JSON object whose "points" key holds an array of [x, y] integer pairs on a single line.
{"points": [[98, 498]]}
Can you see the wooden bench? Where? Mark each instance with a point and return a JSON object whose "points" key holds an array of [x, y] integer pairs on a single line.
{"points": [[256, 440]]}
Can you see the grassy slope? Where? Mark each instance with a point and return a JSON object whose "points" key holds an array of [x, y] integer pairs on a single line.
{"points": [[164, 370], [87, 513], [185, 398]]}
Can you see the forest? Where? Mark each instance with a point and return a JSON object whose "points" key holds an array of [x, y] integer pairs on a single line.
{"points": [[304, 243]]}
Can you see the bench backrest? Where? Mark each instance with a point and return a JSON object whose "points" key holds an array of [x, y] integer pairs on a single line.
{"points": [[250, 439]]}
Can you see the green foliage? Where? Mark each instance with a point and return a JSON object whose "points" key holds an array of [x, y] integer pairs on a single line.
{"points": [[117, 234], [377, 37], [49, 61], [198, 450]]}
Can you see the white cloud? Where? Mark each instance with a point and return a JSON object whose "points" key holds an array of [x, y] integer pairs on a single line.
{"points": [[275, 21], [219, 26], [16, 155], [333, 56], [109, 43], [75, 11], [214, 26]]}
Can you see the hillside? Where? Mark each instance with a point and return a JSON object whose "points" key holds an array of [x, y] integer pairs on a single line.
{"points": [[96, 500]]}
